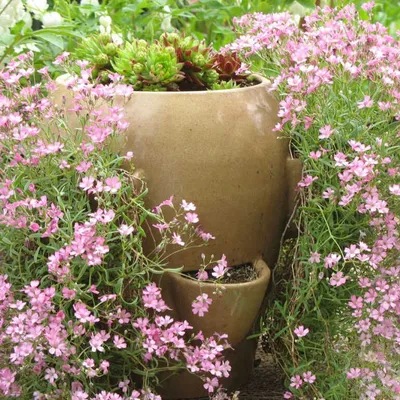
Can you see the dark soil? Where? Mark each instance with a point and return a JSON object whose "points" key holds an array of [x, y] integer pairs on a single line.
{"points": [[266, 382], [186, 86], [240, 274]]}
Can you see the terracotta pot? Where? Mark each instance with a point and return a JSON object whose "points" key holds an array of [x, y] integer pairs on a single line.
{"points": [[233, 313], [216, 149]]}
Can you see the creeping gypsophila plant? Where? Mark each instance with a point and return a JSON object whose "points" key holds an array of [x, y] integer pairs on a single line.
{"points": [[79, 315], [334, 324]]}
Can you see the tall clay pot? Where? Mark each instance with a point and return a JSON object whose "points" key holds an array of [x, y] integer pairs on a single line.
{"points": [[217, 150], [233, 313]]}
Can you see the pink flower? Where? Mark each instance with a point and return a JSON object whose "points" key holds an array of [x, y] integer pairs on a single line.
{"points": [[161, 227], [176, 239], [97, 340], [107, 297], [168, 202], [366, 103], [87, 183], [315, 258], [296, 382], [328, 193], [211, 384], [68, 293], [315, 155], [191, 218], [288, 395], [64, 165], [112, 185], [202, 275], [119, 342], [325, 132], [338, 279], [395, 189], [188, 206], [201, 304], [81, 312], [351, 252], [125, 230], [51, 375], [34, 227], [104, 365], [124, 385], [353, 373], [129, 155], [331, 260], [220, 269], [309, 377], [368, 6], [301, 331], [307, 181], [83, 166]]}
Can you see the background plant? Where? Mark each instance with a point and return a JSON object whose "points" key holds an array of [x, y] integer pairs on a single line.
{"points": [[51, 27], [334, 326]]}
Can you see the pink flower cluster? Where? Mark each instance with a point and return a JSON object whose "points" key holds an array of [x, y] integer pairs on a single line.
{"points": [[162, 336]]}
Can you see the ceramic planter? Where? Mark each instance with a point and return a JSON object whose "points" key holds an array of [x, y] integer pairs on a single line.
{"points": [[233, 313], [216, 149]]}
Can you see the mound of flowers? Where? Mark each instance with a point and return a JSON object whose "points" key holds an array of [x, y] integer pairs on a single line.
{"points": [[335, 327], [79, 315]]}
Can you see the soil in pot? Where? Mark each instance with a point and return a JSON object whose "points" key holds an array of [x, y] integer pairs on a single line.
{"points": [[237, 274]]}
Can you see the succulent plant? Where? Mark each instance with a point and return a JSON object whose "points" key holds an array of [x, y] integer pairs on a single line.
{"points": [[224, 85], [148, 67], [227, 65], [174, 63], [100, 51], [195, 55]]}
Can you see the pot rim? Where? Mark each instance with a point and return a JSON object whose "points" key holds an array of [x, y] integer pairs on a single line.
{"points": [[263, 83], [259, 264]]}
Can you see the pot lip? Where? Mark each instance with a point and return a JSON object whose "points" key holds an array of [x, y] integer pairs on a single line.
{"points": [[263, 83], [259, 264]]}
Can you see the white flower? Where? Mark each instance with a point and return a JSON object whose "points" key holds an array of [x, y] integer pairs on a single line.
{"points": [[105, 24], [89, 2], [105, 21], [38, 7], [52, 19], [93, 3], [117, 39], [11, 13]]}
